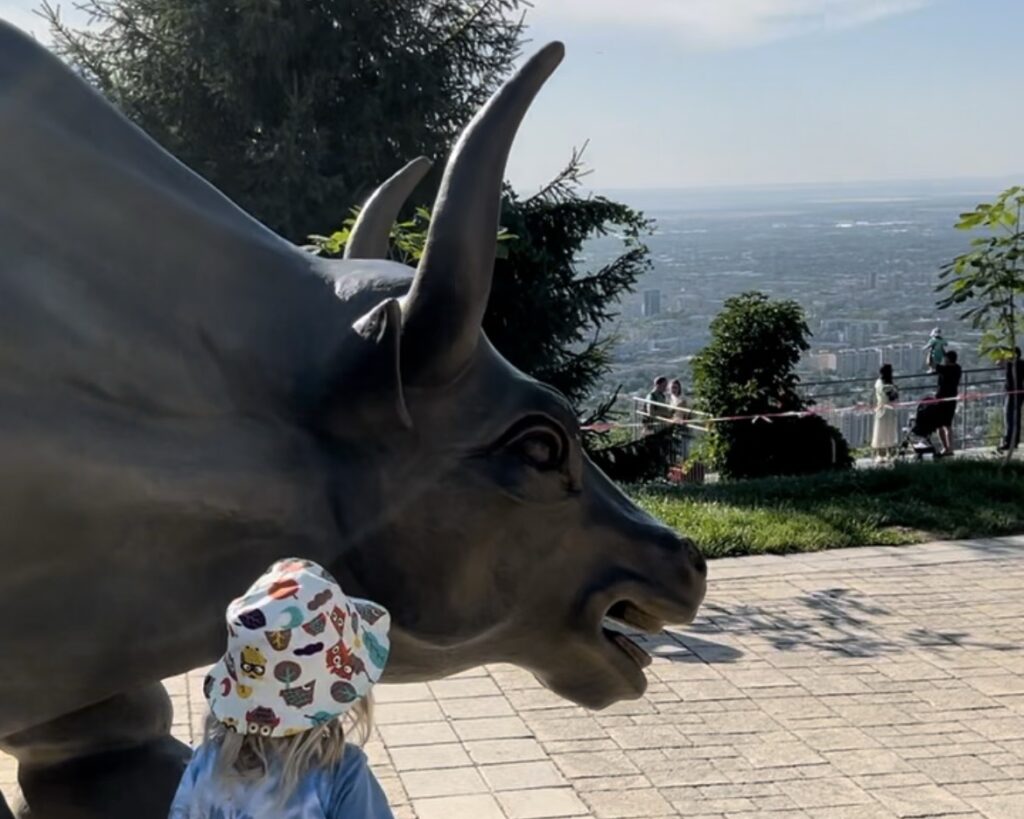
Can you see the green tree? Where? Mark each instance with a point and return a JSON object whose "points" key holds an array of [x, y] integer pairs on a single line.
{"points": [[296, 110], [748, 369], [547, 312], [989, 278]]}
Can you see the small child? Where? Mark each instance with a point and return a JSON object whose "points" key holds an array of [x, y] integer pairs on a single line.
{"points": [[300, 656], [935, 350]]}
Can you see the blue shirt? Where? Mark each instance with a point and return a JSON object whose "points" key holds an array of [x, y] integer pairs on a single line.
{"points": [[346, 791]]}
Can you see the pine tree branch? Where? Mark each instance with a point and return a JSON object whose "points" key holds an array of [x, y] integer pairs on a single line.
{"points": [[561, 187]]}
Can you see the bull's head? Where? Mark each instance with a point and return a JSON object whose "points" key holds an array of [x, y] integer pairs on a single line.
{"points": [[471, 509]]}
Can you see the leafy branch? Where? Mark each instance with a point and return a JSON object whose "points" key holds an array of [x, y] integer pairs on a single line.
{"points": [[985, 282]]}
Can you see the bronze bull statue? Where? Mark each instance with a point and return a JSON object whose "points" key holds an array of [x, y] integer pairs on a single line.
{"points": [[186, 397]]}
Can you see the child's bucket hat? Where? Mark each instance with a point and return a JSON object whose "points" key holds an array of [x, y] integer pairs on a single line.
{"points": [[300, 653]]}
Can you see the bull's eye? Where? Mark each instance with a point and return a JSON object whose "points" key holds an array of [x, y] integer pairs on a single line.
{"points": [[540, 448], [535, 441]]}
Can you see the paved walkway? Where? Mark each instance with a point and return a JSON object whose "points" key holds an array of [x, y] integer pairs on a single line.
{"points": [[879, 682]]}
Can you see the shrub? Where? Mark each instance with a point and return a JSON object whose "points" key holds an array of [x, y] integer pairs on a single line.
{"points": [[747, 370]]}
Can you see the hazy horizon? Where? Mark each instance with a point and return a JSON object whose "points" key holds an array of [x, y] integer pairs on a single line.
{"points": [[951, 182], [804, 194]]}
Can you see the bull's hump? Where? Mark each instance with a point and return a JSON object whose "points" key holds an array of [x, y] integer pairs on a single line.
{"points": [[354, 277]]}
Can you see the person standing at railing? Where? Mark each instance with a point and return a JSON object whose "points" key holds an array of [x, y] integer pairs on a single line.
{"points": [[885, 436], [677, 400], [949, 388], [656, 407], [1014, 401], [680, 414]]}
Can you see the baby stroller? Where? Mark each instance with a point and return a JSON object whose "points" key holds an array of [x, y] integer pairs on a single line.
{"points": [[927, 419]]}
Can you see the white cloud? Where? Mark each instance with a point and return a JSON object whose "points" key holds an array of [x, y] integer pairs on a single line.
{"points": [[726, 23]]}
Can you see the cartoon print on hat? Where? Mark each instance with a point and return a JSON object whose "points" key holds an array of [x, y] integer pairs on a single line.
{"points": [[254, 664], [286, 669], [377, 653], [252, 619], [282, 589], [315, 626], [321, 717], [299, 697], [338, 619], [343, 692], [279, 639], [294, 615], [261, 720], [343, 662], [369, 611]]}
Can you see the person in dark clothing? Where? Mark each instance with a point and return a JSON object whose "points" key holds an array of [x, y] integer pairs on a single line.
{"points": [[949, 387], [1014, 401], [655, 408]]}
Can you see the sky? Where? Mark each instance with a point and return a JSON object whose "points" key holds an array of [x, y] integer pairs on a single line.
{"points": [[737, 93]]}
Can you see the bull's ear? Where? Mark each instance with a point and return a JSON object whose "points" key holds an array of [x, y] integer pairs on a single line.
{"points": [[370, 234], [377, 377], [445, 306]]}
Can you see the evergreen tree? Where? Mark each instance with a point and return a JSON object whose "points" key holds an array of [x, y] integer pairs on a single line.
{"points": [[747, 370], [546, 313], [296, 109]]}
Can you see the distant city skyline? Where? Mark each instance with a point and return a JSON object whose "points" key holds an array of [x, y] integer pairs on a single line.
{"points": [[735, 93]]}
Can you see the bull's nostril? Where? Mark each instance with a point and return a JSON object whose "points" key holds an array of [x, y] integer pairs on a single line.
{"points": [[700, 565], [682, 547]]}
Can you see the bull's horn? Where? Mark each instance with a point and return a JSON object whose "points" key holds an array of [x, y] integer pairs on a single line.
{"points": [[445, 306], [369, 238]]}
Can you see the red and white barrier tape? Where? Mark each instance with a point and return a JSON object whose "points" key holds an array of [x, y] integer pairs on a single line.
{"points": [[862, 408]]}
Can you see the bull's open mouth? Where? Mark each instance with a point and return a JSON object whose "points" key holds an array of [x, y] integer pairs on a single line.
{"points": [[629, 614]]}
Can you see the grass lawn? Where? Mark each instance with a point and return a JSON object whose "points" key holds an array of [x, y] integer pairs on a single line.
{"points": [[910, 503]]}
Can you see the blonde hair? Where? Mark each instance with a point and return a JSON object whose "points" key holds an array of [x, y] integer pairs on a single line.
{"points": [[250, 756]]}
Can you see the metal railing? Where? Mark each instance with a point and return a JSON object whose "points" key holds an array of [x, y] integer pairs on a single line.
{"points": [[836, 399], [848, 404], [645, 416]]}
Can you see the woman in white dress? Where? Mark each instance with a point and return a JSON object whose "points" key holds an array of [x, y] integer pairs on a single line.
{"points": [[886, 435]]}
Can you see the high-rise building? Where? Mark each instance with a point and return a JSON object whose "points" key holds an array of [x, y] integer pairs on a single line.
{"points": [[905, 358], [858, 363], [652, 303]]}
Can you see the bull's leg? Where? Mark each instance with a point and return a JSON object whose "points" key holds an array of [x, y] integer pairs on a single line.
{"points": [[113, 760]]}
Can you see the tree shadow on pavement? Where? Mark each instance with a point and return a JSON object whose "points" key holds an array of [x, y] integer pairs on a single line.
{"points": [[837, 621]]}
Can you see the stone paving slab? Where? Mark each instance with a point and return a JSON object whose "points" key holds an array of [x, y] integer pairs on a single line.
{"points": [[874, 682]]}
